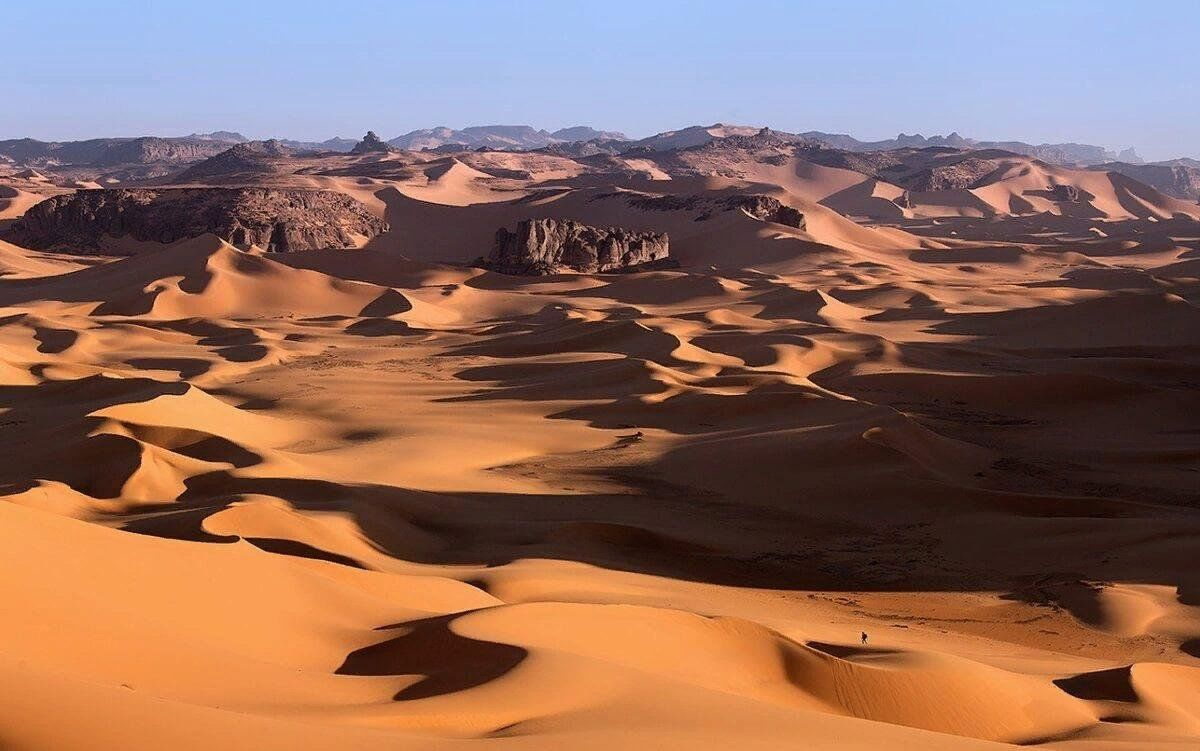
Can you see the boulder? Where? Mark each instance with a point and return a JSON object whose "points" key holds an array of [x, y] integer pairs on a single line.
{"points": [[551, 246]]}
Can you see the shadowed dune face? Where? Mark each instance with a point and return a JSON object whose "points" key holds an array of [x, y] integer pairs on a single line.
{"points": [[363, 499]]}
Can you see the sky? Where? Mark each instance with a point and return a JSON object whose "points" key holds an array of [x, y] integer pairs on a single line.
{"points": [[1108, 72]]}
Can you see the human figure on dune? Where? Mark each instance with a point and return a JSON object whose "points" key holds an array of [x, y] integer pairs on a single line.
{"points": [[864, 637]]}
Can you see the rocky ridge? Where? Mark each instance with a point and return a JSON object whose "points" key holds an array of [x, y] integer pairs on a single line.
{"points": [[272, 219], [762, 207], [1180, 180], [253, 157]]}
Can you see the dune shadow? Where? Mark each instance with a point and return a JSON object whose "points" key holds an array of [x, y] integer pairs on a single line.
{"points": [[243, 353], [999, 254], [186, 367], [1115, 684], [378, 327], [54, 341], [388, 303], [848, 651], [429, 647], [302, 550]]}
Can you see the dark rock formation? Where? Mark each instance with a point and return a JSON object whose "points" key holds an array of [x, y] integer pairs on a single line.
{"points": [[1178, 179], [148, 150], [251, 158], [111, 151], [372, 144], [335, 144], [579, 149], [1064, 193], [1056, 153], [579, 133], [766, 208], [277, 220], [961, 174], [918, 170], [765, 138], [550, 246]]}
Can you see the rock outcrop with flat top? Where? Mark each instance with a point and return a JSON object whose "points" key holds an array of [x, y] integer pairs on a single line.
{"points": [[550, 246], [280, 220]]}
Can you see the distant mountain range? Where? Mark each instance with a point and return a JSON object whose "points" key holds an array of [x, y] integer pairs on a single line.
{"points": [[227, 136], [110, 151], [499, 137], [1077, 154], [1180, 177], [332, 144], [525, 137], [1057, 153]]}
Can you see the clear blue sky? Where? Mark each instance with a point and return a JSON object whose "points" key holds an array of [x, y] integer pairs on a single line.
{"points": [[1115, 73]]}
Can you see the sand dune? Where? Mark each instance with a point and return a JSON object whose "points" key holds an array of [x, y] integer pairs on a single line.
{"points": [[14, 201], [380, 498]]}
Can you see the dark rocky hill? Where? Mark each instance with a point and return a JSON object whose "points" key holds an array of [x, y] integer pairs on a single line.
{"points": [[251, 158], [372, 144], [550, 246], [107, 152], [1174, 179], [276, 220]]}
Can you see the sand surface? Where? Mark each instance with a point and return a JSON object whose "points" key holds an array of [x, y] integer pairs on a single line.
{"points": [[379, 499]]}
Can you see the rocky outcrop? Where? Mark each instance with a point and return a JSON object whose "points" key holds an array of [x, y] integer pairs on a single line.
{"points": [[765, 138], [372, 144], [107, 152], [251, 158], [961, 174], [1064, 193], [1179, 180], [765, 208], [148, 150], [918, 170], [1056, 153], [273, 219], [551, 246]]}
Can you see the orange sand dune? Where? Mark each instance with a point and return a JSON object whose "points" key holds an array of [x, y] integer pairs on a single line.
{"points": [[380, 498]]}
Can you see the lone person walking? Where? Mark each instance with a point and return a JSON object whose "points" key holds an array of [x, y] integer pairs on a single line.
{"points": [[864, 637]]}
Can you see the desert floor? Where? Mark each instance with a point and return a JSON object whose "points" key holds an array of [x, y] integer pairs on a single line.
{"points": [[380, 499]]}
